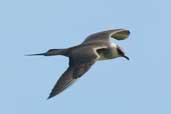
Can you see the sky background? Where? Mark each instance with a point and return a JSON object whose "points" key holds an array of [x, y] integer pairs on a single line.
{"points": [[139, 86]]}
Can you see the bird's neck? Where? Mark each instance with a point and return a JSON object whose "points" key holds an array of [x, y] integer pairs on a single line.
{"points": [[113, 45]]}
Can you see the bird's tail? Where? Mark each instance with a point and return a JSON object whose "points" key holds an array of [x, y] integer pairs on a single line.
{"points": [[52, 52]]}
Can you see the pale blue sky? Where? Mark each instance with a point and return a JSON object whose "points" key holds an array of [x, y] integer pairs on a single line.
{"points": [[139, 86]]}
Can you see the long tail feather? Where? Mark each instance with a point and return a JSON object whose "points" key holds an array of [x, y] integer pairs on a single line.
{"points": [[39, 54], [51, 52]]}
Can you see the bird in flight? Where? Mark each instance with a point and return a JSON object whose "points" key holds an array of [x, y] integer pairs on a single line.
{"points": [[95, 47]]}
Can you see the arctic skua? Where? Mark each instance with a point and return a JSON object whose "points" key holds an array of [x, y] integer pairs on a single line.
{"points": [[95, 47]]}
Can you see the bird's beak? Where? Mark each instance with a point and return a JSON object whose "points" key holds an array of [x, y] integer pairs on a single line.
{"points": [[126, 57]]}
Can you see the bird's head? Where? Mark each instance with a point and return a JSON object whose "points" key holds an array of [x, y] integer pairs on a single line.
{"points": [[121, 53]]}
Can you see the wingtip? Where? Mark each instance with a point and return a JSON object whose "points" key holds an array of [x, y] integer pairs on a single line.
{"points": [[49, 97], [128, 32]]}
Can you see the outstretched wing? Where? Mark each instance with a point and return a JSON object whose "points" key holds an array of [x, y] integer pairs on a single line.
{"points": [[63, 82], [118, 34], [70, 76]]}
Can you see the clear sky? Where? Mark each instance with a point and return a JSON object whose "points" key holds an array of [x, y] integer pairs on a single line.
{"points": [[139, 86]]}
